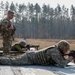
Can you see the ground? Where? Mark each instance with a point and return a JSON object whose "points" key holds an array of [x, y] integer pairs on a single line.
{"points": [[36, 70]]}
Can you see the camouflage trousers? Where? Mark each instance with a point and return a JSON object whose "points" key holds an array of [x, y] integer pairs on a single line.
{"points": [[28, 58], [15, 60], [7, 43]]}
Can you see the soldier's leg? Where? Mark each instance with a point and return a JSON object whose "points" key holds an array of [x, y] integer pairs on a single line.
{"points": [[21, 60], [15, 60], [5, 61], [6, 46]]}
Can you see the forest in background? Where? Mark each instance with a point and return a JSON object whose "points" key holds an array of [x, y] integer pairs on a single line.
{"points": [[33, 21]]}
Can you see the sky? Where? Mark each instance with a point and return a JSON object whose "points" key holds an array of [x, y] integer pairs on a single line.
{"points": [[53, 3]]}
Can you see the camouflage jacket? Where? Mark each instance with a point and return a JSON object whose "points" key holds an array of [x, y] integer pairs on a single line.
{"points": [[17, 47], [47, 56], [6, 32]]}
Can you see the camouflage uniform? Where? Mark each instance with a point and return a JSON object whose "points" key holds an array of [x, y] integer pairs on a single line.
{"points": [[19, 46], [47, 56], [7, 38]]}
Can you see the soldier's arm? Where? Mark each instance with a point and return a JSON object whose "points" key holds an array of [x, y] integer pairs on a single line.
{"points": [[5, 25], [57, 57]]}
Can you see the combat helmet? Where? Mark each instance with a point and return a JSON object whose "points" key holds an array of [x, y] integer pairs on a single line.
{"points": [[10, 12], [22, 43], [63, 45]]}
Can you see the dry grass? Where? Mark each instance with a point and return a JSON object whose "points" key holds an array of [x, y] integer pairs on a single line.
{"points": [[43, 42], [48, 42]]}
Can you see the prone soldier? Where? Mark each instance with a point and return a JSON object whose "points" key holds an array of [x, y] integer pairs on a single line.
{"points": [[21, 47]]}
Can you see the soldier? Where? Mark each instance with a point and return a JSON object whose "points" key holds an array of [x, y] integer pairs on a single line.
{"points": [[21, 46], [7, 31], [47, 56]]}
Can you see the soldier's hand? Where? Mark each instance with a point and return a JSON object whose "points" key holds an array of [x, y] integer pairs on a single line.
{"points": [[66, 57], [11, 27]]}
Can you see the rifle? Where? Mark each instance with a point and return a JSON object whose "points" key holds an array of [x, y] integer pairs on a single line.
{"points": [[72, 53]]}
